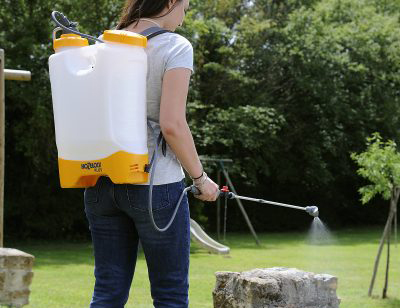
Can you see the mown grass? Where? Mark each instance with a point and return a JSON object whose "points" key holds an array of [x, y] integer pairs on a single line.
{"points": [[63, 271]]}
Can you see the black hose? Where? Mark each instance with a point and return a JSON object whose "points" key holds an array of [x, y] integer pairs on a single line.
{"points": [[153, 167], [70, 27]]}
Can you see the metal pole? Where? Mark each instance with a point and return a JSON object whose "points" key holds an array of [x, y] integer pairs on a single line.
{"points": [[218, 204], [207, 158], [217, 161], [232, 188], [2, 143], [271, 202]]}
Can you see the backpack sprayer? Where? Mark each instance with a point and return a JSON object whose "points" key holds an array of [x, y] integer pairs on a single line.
{"points": [[100, 115]]}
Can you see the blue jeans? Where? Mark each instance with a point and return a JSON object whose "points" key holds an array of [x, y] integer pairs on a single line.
{"points": [[118, 217]]}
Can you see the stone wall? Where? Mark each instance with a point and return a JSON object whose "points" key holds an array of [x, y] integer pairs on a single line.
{"points": [[276, 287], [15, 277]]}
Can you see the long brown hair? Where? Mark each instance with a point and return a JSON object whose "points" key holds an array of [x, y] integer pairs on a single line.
{"points": [[136, 9]]}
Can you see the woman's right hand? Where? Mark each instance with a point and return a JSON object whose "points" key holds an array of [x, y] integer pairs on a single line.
{"points": [[209, 191]]}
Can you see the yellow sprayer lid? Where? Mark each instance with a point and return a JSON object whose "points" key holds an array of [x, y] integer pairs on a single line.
{"points": [[70, 39], [125, 37]]}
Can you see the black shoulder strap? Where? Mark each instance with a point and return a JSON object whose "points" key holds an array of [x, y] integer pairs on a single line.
{"points": [[150, 33], [153, 31]]}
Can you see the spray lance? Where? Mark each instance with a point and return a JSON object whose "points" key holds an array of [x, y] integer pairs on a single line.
{"points": [[224, 192]]}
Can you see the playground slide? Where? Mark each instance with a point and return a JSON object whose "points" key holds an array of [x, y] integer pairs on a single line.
{"points": [[205, 241]]}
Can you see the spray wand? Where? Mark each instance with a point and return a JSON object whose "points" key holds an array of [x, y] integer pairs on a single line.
{"points": [[224, 192]]}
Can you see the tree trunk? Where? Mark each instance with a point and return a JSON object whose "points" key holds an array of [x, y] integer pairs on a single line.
{"points": [[395, 225], [393, 204], [384, 293]]}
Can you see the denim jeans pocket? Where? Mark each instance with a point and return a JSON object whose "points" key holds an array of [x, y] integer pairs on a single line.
{"points": [[91, 194], [138, 197]]}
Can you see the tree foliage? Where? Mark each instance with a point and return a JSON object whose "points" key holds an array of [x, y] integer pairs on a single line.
{"points": [[287, 89], [380, 165]]}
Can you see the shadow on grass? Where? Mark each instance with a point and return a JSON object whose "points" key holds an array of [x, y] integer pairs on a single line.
{"points": [[60, 253], [389, 302], [81, 252], [393, 303]]}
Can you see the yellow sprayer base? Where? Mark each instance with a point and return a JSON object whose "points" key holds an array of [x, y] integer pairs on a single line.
{"points": [[122, 168]]}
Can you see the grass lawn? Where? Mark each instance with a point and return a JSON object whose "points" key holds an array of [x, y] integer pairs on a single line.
{"points": [[63, 271]]}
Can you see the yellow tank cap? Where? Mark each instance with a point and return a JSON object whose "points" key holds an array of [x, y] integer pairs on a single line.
{"points": [[70, 39], [125, 37]]}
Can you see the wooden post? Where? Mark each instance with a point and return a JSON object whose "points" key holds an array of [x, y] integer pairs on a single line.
{"points": [[393, 204], [9, 75], [17, 75], [2, 143], [385, 288]]}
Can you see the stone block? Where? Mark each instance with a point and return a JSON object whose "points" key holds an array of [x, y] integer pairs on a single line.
{"points": [[277, 287], [15, 277], [15, 259]]}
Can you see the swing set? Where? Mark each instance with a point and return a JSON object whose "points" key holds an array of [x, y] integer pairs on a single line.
{"points": [[222, 170]]}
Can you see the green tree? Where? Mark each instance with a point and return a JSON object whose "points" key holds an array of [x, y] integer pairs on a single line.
{"points": [[380, 165], [285, 88]]}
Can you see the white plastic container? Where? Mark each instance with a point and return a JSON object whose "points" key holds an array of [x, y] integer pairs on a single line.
{"points": [[99, 104]]}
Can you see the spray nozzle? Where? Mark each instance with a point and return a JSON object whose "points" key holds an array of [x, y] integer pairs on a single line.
{"points": [[312, 210]]}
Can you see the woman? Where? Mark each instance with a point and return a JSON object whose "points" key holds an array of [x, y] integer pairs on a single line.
{"points": [[118, 213]]}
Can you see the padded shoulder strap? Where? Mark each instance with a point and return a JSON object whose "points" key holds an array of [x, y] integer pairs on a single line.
{"points": [[150, 33], [153, 31]]}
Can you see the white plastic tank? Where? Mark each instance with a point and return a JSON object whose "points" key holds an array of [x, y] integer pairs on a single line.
{"points": [[99, 104]]}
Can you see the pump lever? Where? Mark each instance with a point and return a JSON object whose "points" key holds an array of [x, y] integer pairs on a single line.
{"points": [[224, 192], [69, 27], [63, 20]]}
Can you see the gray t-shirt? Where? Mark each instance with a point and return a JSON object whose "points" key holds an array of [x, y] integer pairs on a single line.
{"points": [[164, 52]]}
